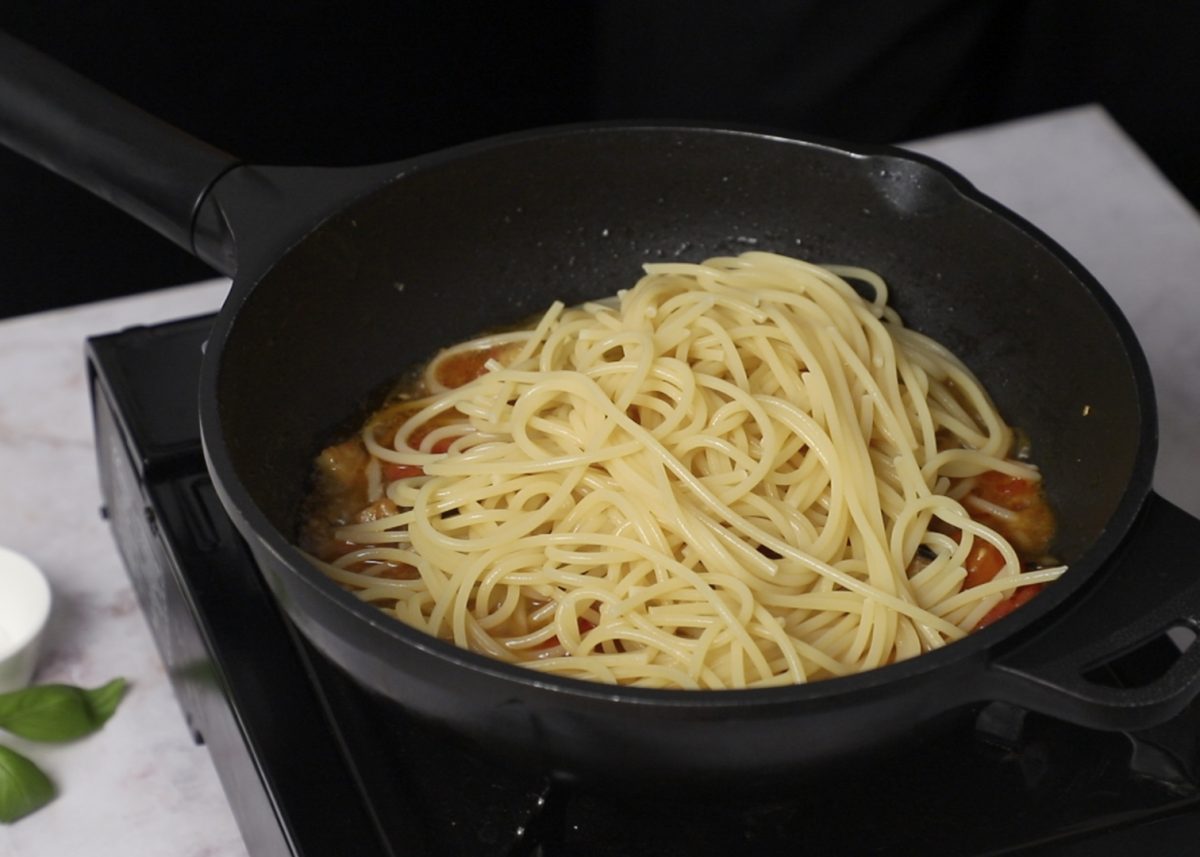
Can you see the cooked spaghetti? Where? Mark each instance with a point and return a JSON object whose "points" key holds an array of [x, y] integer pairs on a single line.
{"points": [[738, 473]]}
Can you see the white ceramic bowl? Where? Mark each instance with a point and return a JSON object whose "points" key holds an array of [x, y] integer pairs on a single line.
{"points": [[24, 609]]}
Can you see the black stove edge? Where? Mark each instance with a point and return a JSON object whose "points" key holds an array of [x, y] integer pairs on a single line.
{"points": [[273, 817]]}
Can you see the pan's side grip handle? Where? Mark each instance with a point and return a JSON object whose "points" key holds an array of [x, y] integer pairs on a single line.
{"points": [[142, 165], [1151, 587]]}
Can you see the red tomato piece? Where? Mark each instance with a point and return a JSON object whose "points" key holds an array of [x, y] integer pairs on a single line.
{"points": [[1022, 596], [983, 563], [393, 471], [1031, 525], [465, 366]]}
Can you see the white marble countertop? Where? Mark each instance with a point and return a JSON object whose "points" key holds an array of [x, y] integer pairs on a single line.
{"points": [[142, 786]]}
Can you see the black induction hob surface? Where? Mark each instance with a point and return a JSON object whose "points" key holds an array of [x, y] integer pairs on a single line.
{"points": [[314, 765]]}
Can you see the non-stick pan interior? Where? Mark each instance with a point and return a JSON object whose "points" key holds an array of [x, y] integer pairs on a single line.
{"points": [[471, 239]]}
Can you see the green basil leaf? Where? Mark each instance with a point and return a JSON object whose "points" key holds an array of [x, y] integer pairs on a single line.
{"points": [[23, 786], [59, 712]]}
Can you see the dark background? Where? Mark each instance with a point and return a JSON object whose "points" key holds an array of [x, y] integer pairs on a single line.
{"points": [[352, 83]]}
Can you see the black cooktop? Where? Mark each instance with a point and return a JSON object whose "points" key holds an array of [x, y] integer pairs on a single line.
{"points": [[314, 765]]}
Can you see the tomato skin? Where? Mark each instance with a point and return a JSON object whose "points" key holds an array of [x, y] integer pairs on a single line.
{"points": [[393, 471], [462, 368], [1004, 489], [1029, 530], [983, 563], [1031, 526], [1020, 597]]}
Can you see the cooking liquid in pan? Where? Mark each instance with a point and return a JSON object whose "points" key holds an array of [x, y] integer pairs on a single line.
{"points": [[355, 491]]}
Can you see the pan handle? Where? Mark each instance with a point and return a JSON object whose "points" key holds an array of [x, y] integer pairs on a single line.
{"points": [[142, 165], [1147, 606]]}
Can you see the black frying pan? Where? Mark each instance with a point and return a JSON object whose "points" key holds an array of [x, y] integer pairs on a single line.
{"points": [[343, 278]]}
